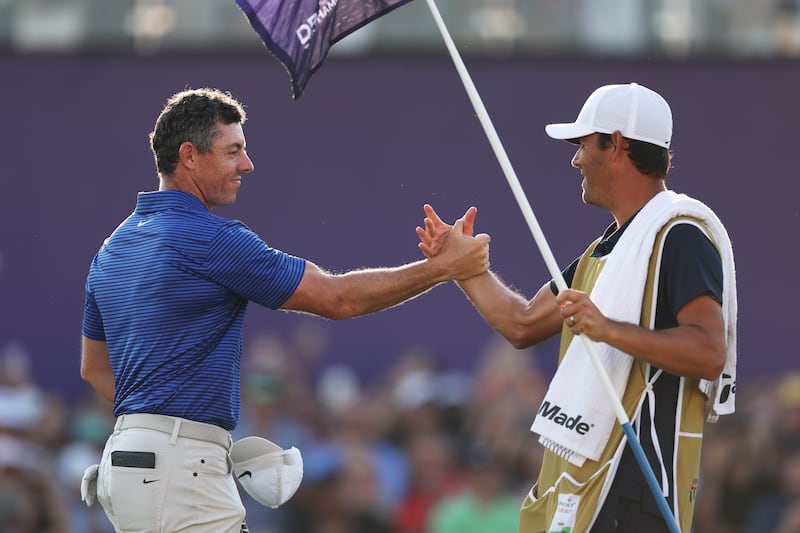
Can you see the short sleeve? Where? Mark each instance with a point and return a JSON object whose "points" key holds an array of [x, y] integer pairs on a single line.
{"points": [[92, 320], [569, 275], [241, 261], [690, 267]]}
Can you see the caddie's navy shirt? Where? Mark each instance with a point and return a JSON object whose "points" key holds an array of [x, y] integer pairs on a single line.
{"points": [[168, 291], [690, 267]]}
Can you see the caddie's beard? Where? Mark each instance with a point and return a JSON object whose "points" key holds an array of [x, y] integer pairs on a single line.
{"points": [[587, 197], [594, 196]]}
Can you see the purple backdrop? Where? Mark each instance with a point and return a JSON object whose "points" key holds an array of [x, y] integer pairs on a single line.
{"points": [[341, 176]]}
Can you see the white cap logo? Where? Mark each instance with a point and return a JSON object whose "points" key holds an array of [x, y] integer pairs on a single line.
{"points": [[267, 472]]}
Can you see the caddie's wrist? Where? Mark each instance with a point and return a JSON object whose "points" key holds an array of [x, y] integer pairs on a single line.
{"points": [[471, 279]]}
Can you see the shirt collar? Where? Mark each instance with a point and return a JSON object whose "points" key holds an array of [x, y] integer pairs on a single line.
{"points": [[152, 201], [611, 237]]}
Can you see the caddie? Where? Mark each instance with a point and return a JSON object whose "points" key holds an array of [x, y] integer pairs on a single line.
{"points": [[656, 293]]}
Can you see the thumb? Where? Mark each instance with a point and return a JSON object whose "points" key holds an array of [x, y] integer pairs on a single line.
{"points": [[469, 221], [458, 227]]}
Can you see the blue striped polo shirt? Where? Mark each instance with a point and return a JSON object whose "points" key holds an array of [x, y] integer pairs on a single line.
{"points": [[168, 291]]}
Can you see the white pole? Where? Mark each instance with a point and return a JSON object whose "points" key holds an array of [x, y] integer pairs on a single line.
{"points": [[549, 259]]}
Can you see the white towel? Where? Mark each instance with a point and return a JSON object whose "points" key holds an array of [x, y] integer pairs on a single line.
{"points": [[576, 417]]}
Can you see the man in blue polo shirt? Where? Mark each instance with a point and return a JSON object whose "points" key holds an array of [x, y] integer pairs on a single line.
{"points": [[166, 295]]}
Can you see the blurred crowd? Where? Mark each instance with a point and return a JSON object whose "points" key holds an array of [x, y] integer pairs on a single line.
{"points": [[420, 449]]}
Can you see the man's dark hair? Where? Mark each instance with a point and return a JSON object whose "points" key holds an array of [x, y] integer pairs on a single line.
{"points": [[191, 115], [649, 159]]}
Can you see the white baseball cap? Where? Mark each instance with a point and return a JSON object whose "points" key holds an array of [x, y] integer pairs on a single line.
{"points": [[634, 110], [267, 472]]}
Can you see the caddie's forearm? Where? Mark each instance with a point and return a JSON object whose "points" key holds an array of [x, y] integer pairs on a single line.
{"points": [[502, 308], [695, 348], [684, 350]]}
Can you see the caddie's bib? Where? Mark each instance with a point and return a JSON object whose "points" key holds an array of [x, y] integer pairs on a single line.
{"points": [[567, 499]]}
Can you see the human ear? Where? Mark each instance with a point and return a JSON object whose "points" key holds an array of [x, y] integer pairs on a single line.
{"points": [[619, 143], [617, 139], [187, 154]]}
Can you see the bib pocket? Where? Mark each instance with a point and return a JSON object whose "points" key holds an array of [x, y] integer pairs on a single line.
{"points": [[567, 507]]}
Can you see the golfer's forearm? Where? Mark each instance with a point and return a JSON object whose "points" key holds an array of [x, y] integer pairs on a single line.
{"points": [[371, 290], [360, 292]]}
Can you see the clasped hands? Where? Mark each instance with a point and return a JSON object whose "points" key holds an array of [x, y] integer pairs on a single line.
{"points": [[437, 237]]}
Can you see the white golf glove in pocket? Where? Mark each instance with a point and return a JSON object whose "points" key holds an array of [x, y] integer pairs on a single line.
{"points": [[89, 485]]}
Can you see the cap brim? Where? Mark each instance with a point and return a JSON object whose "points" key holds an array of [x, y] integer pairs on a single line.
{"points": [[252, 447], [568, 131]]}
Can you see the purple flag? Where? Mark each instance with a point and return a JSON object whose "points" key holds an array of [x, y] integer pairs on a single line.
{"points": [[300, 32]]}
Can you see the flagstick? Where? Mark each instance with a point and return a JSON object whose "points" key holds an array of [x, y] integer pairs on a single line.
{"points": [[550, 261]]}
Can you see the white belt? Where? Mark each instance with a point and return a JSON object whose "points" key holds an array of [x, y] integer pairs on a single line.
{"points": [[176, 427]]}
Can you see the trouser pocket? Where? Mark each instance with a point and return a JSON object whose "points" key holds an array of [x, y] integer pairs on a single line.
{"points": [[133, 496]]}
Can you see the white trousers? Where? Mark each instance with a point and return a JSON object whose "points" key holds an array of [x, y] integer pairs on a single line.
{"points": [[169, 475]]}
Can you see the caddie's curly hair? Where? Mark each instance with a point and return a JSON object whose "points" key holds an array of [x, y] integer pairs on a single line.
{"points": [[191, 115], [649, 159]]}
